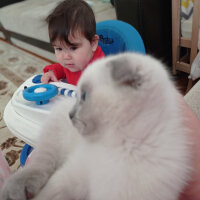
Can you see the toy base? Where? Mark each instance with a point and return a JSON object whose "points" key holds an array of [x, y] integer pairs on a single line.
{"points": [[25, 118], [22, 128]]}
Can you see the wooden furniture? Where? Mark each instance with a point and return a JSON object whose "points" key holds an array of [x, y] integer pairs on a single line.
{"points": [[179, 62]]}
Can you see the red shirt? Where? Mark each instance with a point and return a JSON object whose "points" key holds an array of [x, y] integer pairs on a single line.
{"points": [[72, 77]]}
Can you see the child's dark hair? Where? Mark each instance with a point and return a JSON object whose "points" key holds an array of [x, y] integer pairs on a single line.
{"points": [[69, 17]]}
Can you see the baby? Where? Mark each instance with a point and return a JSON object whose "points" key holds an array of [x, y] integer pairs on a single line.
{"points": [[72, 32]]}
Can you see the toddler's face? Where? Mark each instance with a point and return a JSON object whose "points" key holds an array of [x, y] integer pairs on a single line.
{"points": [[77, 56]]}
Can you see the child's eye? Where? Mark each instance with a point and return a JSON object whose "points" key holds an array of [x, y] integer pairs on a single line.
{"points": [[73, 48], [58, 49]]}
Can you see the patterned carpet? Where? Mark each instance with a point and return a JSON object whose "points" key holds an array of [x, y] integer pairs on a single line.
{"points": [[15, 67]]}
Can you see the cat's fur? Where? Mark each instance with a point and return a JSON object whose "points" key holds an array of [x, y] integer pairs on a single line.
{"points": [[129, 142]]}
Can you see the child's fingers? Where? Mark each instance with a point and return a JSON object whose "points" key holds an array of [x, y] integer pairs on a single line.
{"points": [[51, 76], [45, 79], [48, 76], [54, 79]]}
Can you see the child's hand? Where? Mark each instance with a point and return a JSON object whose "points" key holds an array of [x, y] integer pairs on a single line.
{"points": [[48, 76]]}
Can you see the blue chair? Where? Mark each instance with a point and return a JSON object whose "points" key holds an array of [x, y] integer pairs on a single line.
{"points": [[116, 36]]}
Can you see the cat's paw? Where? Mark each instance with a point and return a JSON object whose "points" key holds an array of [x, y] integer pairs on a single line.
{"points": [[24, 185]]}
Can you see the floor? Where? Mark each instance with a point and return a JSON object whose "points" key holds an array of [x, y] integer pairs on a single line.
{"points": [[181, 80]]}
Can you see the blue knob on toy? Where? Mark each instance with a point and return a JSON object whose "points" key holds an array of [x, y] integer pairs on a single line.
{"points": [[37, 79], [40, 93]]}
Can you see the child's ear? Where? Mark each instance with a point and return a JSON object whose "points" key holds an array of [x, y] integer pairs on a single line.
{"points": [[95, 42]]}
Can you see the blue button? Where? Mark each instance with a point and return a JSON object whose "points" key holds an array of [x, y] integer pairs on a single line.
{"points": [[37, 79]]}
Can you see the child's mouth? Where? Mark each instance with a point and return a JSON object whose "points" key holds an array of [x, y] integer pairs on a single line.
{"points": [[70, 65]]}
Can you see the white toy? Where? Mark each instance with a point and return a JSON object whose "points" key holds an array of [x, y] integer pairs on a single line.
{"points": [[31, 104]]}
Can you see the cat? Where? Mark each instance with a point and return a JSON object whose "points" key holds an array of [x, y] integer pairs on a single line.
{"points": [[123, 139]]}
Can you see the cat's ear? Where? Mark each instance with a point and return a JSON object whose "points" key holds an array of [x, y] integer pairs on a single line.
{"points": [[123, 73]]}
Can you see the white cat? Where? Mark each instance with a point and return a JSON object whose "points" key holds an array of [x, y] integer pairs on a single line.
{"points": [[129, 142]]}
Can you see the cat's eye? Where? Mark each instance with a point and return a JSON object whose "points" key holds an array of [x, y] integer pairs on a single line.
{"points": [[83, 95]]}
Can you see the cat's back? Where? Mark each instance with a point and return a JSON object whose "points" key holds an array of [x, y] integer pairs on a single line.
{"points": [[137, 146], [136, 175]]}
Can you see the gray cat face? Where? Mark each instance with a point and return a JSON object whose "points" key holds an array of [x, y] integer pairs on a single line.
{"points": [[114, 93]]}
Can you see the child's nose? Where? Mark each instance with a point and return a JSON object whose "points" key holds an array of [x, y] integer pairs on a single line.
{"points": [[66, 54]]}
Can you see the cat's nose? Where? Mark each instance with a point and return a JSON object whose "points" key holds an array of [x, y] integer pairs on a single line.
{"points": [[71, 114]]}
